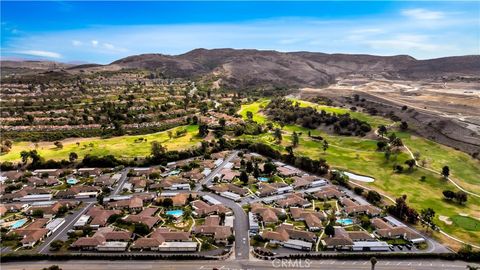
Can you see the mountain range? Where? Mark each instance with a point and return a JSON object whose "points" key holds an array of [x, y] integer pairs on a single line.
{"points": [[256, 68]]}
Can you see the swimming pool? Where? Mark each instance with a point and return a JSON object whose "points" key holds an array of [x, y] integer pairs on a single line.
{"points": [[19, 223], [72, 181], [263, 179], [345, 221], [175, 213]]}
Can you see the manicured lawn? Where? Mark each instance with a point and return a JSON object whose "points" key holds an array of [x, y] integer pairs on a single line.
{"points": [[463, 169], [468, 223], [122, 146], [255, 107]]}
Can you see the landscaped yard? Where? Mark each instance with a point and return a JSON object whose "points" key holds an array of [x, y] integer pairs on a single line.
{"points": [[121, 147]]}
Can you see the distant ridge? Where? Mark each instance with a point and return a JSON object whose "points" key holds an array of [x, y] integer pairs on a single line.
{"points": [[256, 68]]}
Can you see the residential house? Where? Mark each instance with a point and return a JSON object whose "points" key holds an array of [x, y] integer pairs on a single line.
{"points": [[294, 199], [134, 204], [201, 208]]}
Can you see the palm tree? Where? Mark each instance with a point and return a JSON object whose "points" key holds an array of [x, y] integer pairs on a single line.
{"points": [[373, 261]]}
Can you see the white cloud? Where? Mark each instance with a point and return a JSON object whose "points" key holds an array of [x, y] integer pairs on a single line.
{"points": [[108, 46], [406, 42], [76, 43], [40, 53], [94, 43], [423, 14]]}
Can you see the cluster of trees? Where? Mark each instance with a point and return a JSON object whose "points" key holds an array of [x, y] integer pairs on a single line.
{"points": [[319, 166], [5, 146], [459, 196], [402, 211], [284, 111], [339, 178]]}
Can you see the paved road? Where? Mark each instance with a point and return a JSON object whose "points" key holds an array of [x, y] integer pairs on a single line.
{"points": [[121, 182], [242, 245], [230, 265], [208, 178], [61, 233]]}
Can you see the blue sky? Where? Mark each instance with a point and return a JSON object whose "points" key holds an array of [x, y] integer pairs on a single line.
{"points": [[102, 32]]}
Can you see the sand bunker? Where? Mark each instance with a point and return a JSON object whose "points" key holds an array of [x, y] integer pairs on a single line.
{"points": [[445, 219]]}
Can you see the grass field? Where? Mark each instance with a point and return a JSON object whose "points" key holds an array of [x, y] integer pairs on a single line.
{"points": [[359, 155], [122, 146], [464, 169], [467, 223]]}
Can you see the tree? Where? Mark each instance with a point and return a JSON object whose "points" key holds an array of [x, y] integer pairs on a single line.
{"points": [[358, 190], [373, 261], [398, 168], [388, 153], [382, 130], [58, 144], [157, 149], [141, 229], [249, 115], [222, 122], [410, 163], [8, 143], [249, 166], [397, 142], [269, 168], [24, 155], [72, 157], [38, 213], [278, 135], [448, 194], [167, 202], [56, 245], [427, 215], [461, 197], [404, 125], [330, 230], [231, 239], [30, 118], [365, 221], [325, 145], [244, 177], [295, 139], [445, 171], [202, 130], [52, 267], [381, 145], [289, 150], [373, 197]]}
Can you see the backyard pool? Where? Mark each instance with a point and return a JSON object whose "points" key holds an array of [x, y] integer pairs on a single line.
{"points": [[345, 221], [175, 213], [19, 223], [263, 179], [72, 181]]}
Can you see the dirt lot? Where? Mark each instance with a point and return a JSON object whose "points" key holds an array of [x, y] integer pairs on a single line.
{"points": [[446, 112]]}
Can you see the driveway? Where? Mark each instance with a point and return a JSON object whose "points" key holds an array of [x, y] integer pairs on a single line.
{"points": [[61, 233]]}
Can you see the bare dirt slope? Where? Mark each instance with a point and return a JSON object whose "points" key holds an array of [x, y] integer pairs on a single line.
{"points": [[255, 68], [447, 112]]}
